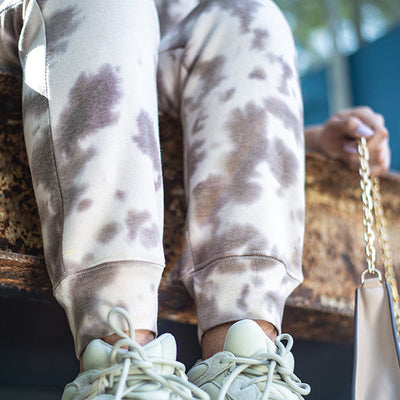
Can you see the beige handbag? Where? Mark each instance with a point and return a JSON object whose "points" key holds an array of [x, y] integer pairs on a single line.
{"points": [[377, 310]]}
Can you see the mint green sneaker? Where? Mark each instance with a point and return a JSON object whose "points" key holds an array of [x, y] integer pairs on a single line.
{"points": [[148, 372], [251, 367]]}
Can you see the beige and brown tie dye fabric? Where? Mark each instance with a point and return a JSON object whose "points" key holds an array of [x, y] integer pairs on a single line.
{"points": [[94, 74]]}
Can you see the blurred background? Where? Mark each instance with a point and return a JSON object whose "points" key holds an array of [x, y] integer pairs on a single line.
{"points": [[349, 54]]}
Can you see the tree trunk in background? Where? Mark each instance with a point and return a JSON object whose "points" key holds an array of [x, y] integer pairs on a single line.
{"points": [[357, 20], [340, 93]]}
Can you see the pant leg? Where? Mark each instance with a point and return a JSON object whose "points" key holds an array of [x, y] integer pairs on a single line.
{"points": [[229, 71], [90, 121], [10, 28]]}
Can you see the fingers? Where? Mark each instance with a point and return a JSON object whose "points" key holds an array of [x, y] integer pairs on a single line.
{"points": [[345, 125], [350, 146], [350, 125], [378, 143], [350, 129], [362, 121], [366, 115], [380, 157]]}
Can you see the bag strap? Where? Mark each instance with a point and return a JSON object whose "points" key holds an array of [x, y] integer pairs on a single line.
{"points": [[372, 202]]}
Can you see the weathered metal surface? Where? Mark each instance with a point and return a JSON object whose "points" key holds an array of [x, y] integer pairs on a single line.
{"points": [[322, 308], [23, 275], [333, 256], [19, 222]]}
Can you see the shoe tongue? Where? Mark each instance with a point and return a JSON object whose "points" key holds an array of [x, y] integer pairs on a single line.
{"points": [[246, 338], [97, 354]]}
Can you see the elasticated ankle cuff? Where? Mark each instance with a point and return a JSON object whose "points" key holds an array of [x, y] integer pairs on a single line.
{"points": [[87, 297], [238, 287]]}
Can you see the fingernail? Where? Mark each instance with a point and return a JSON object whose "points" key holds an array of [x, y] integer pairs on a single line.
{"points": [[364, 130], [350, 148]]}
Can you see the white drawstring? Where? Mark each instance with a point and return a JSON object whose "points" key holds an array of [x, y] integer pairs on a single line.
{"points": [[131, 369], [277, 371]]}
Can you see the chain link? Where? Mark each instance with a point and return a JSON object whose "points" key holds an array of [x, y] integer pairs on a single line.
{"points": [[372, 201], [367, 200]]}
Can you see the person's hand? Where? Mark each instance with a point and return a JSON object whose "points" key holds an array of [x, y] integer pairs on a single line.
{"points": [[339, 136]]}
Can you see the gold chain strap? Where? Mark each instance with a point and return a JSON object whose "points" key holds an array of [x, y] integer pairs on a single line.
{"points": [[368, 206], [372, 201]]}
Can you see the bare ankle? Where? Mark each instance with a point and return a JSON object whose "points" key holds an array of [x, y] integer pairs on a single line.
{"points": [[268, 329], [214, 339], [142, 336]]}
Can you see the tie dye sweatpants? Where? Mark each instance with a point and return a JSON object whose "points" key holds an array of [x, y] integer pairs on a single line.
{"points": [[95, 73]]}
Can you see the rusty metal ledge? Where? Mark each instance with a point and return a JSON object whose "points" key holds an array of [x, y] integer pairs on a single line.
{"points": [[333, 257]]}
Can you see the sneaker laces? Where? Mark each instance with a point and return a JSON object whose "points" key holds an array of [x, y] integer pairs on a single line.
{"points": [[132, 369], [278, 372]]}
